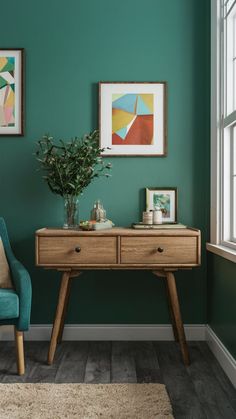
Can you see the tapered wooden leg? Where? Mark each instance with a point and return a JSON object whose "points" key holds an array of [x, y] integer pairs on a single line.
{"points": [[171, 314], [58, 316], [163, 274], [174, 301], [19, 339], [61, 329]]}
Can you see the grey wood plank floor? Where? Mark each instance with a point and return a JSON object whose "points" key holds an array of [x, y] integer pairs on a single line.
{"points": [[200, 391]]}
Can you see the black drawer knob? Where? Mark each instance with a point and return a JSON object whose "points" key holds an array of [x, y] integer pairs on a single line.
{"points": [[160, 249], [78, 249]]}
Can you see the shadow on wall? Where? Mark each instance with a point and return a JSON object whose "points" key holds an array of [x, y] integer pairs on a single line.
{"points": [[94, 105]]}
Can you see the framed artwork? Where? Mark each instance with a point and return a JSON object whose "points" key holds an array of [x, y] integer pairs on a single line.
{"points": [[132, 118], [164, 198], [11, 91]]}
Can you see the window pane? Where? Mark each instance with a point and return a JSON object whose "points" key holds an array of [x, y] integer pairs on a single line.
{"points": [[234, 209], [234, 38], [229, 7], [234, 150], [227, 185], [234, 63], [230, 64], [233, 189]]}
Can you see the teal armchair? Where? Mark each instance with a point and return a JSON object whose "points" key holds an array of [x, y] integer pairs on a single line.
{"points": [[15, 304]]}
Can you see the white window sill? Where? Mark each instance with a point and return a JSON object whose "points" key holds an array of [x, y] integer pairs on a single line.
{"points": [[223, 251]]}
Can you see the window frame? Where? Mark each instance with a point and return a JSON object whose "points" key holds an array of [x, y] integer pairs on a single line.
{"points": [[219, 142]]}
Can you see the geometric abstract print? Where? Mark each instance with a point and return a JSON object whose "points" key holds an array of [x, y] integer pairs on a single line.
{"points": [[132, 119], [7, 92]]}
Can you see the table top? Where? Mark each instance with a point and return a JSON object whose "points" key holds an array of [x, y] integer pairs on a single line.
{"points": [[118, 231]]}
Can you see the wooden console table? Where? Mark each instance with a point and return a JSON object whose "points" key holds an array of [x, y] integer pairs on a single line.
{"points": [[161, 251]]}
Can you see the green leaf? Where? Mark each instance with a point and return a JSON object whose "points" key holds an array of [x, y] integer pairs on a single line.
{"points": [[71, 166]]}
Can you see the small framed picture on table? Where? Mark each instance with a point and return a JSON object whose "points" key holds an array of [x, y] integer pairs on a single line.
{"points": [[164, 199]]}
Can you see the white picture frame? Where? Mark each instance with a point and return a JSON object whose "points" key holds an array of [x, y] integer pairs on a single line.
{"points": [[132, 118], [165, 199], [11, 92]]}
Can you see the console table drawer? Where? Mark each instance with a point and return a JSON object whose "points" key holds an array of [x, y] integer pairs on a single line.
{"points": [[77, 250], [163, 250]]}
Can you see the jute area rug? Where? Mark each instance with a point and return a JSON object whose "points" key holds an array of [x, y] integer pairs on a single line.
{"points": [[84, 401]]}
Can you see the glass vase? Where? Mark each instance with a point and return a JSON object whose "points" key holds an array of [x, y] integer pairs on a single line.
{"points": [[71, 212]]}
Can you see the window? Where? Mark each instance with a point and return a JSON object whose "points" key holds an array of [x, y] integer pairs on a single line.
{"points": [[228, 236], [223, 128]]}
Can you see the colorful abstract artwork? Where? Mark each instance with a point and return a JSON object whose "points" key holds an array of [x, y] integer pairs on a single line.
{"points": [[133, 118], [7, 91], [164, 199], [10, 92]]}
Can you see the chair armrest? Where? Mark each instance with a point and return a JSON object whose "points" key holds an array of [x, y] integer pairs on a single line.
{"points": [[22, 284]]}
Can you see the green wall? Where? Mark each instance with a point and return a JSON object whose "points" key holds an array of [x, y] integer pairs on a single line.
{"points": [[70, 46], [221, 300]]}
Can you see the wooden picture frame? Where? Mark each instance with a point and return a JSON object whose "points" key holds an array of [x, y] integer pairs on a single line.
{"points": [[132, 118], [11, 92], [165, 198]]}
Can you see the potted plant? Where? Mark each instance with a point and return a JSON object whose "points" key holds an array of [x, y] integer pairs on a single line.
{"points": [[70, 167]]}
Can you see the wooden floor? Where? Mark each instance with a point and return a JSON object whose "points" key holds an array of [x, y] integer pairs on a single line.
{"points": [[199, 391]]}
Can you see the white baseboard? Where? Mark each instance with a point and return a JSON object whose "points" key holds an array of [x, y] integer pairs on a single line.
{"points": [[223, 356], [108, 332]]}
